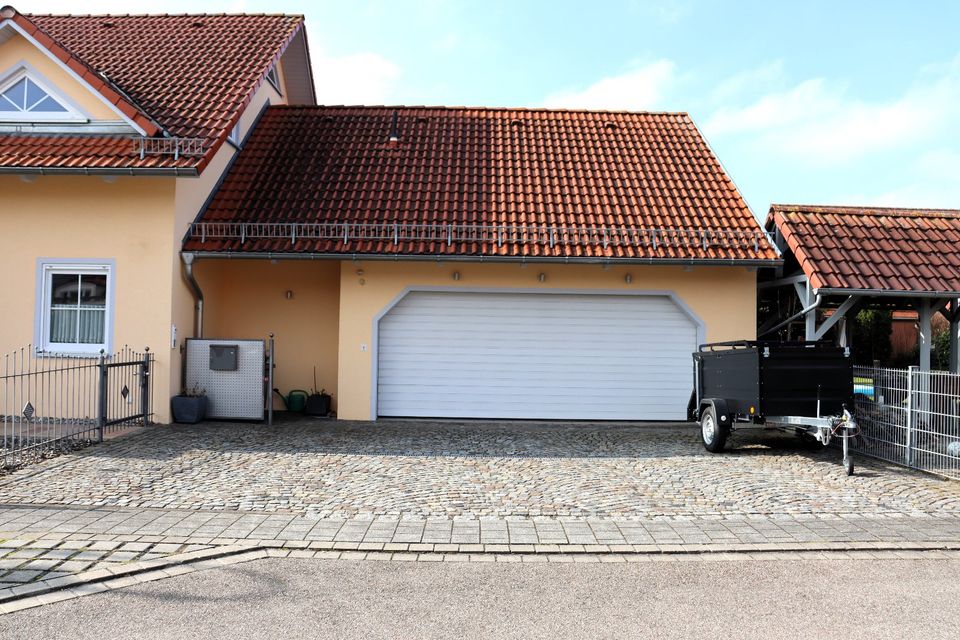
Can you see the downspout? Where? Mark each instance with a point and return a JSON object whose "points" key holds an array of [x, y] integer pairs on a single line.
{"points": [[188, 259], [799, 314]]}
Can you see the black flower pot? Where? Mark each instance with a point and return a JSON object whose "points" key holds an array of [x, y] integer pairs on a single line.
{"points": [[188, 409]]}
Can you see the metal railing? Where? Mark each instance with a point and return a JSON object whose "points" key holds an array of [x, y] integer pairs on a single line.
{"points": [[51, 403], [449, 234], [909, 417], [175, 147]]}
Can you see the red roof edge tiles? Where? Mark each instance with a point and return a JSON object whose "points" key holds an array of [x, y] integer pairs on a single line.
{"points": [[105, 88], [498, 183], [875, 250]]}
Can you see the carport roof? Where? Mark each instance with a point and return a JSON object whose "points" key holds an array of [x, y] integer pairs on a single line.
{"points": [[877, 251], [480, 183]]}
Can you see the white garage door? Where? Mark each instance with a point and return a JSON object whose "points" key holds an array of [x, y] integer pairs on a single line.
{"points": [[505, 355]]}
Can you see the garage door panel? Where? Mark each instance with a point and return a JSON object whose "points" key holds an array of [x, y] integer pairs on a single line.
{"points": [[453, 354]]}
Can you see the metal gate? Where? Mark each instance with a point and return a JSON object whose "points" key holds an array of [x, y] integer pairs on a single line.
{"points": [[910, 417], [52, 403]]}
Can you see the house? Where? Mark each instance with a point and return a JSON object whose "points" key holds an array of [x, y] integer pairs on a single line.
{"points": [[838, 260], [442, 262], [113, 132], [501, 263]]}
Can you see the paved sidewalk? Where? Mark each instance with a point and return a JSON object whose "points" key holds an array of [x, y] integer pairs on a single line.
{"points": [[429, 491], [190, 527]]}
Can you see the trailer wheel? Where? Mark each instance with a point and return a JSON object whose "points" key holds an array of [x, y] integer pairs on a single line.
{"points": [[713, 435]]}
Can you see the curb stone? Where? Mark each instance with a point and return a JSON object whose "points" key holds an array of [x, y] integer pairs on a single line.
{"points": [[100, 580]]}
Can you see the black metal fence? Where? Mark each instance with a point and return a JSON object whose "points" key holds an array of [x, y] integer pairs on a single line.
{"points": [[55, 403]]}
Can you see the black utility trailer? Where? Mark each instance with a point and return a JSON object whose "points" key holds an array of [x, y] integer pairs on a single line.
{"points": [[804, 387]]}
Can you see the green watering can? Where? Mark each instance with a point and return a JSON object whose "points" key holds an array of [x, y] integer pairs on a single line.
{"points": [[296, 400]]}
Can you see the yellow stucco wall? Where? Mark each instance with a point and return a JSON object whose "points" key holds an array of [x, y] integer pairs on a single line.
{"points": [[724, 299], [137, 221], [247, 299], [18, 49], [191, 194], [127, 220]]}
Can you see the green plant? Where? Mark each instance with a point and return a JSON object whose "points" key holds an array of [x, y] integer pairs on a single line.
{"points": [[195, 392]]}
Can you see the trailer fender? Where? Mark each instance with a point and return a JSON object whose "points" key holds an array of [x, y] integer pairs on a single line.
{"points": [[720, 408]]}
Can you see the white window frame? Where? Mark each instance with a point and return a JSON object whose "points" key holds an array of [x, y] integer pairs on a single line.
{"points": [[23, 70], [46, 268], [273, 77]]}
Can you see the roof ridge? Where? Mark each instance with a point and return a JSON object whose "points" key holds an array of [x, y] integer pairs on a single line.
{"points": [[855, 210], [481, 108], [164, 15]]}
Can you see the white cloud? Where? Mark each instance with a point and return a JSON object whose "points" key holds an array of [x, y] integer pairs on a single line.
{"points": [[356, 78], [819, 123], [928, 181], [749, 82], [638, 89]]}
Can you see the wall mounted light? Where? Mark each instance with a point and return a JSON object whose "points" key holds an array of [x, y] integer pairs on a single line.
{"points": [[628, 278], [288, 294], [542, 277], [360, 272], [456, 275]]}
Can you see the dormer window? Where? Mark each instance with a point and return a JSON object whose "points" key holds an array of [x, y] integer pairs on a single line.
{"points": [[274, 77], [24, 98]]}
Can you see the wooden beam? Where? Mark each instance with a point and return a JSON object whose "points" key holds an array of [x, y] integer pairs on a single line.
{"points": [[925, 312], [840, 312], [782, 282]]}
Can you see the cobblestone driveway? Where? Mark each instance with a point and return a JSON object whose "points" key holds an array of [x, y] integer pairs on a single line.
{"points": [[469, 470]]}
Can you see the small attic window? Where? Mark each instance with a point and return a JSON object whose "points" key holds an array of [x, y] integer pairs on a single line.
{"points": [[25, 99], [273, 76], [234, 135]]}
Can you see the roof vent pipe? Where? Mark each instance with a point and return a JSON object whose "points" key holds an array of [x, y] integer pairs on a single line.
{"points": [[394, 129]]}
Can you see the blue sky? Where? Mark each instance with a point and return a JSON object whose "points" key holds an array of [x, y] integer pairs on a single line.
{"points": [[815, 102]]}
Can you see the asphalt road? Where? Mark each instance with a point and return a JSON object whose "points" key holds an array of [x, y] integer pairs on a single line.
{"points": [[285, 598]]}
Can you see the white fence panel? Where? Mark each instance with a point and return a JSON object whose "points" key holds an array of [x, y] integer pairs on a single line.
{"points": [[909, 417]]}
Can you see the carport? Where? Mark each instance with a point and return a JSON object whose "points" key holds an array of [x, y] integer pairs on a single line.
{"points": [[839, 260]]}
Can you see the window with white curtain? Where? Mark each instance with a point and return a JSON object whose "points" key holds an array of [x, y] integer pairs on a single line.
{"points": [[74, 308]]}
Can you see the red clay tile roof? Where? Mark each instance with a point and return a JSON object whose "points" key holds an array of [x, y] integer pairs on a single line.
{"points": [[865, 248], [107, 88], [190, 74], [484, 182]]}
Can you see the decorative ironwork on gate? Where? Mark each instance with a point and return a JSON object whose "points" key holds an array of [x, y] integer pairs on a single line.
{"points": [[50, 403]]}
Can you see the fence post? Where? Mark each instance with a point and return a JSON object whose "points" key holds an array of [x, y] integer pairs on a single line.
{"points": [[910, 406], [145, 386], [102, 397], [270, 356]]}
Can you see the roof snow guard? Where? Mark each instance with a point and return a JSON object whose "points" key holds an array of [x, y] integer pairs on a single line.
{"points": [[180, 77], [479, 183], [873, 250]]}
